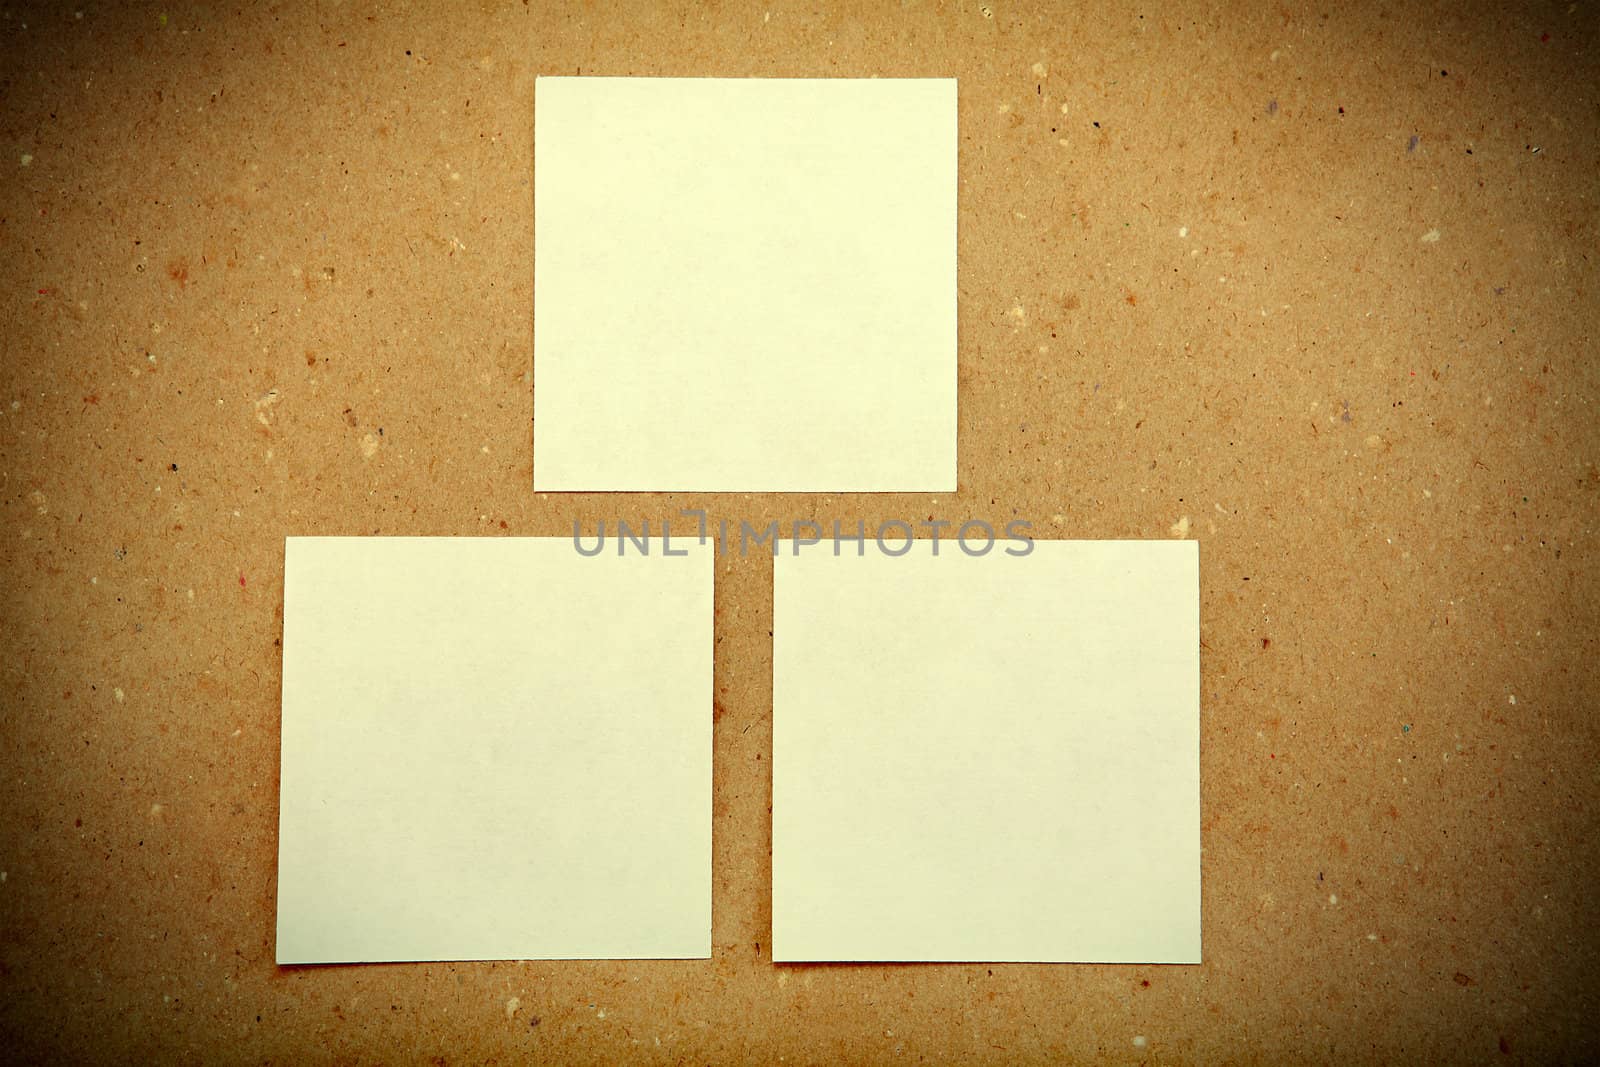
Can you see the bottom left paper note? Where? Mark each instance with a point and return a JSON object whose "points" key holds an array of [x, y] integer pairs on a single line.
{"points": [[494, 748]]}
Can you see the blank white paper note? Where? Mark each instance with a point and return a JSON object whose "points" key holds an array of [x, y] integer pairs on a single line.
{"points": [[744, 284], [494, 748], [987, 758]]}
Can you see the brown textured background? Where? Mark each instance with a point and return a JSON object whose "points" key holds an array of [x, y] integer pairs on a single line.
{"points": [[1314, 285]]}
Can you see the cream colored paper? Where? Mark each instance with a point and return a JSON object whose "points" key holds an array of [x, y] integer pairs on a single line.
{"points": [[744, 284], [494, 748], [987, 759]]}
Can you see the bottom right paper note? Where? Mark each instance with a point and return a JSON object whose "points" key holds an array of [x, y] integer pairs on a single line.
{"points": [[987, 757]]}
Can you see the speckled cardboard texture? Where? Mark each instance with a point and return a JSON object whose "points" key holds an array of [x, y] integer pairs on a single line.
{"points": [[1313, 286]]}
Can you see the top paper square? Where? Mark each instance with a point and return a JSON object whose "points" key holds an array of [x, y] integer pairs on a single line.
{"points": [[744, 285]]}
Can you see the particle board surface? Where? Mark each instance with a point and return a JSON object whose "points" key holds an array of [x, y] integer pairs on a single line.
{"points": [[1314, 286]]}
